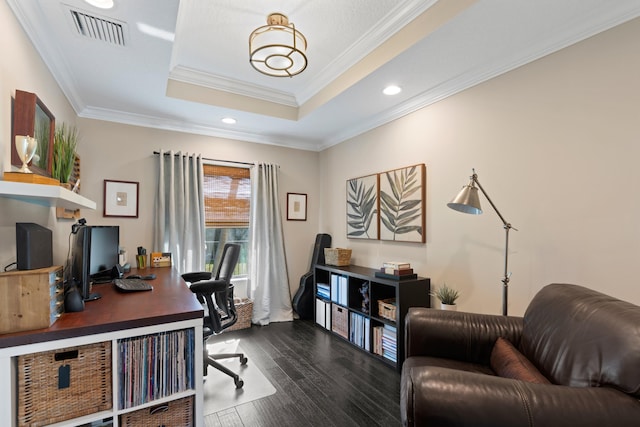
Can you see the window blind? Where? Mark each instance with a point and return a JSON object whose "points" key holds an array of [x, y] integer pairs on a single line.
{"points": [[227, 192]]}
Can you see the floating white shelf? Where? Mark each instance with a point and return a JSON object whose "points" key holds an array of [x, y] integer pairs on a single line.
{"points": [[45, 195]]}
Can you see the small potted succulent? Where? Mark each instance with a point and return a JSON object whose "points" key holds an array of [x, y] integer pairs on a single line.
{"points": [[447, 297]]}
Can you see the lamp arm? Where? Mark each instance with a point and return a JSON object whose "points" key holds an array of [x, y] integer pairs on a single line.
{"points": [[474, 177]]}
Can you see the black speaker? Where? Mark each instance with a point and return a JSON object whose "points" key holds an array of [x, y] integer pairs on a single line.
{"points": [[34, 247]]}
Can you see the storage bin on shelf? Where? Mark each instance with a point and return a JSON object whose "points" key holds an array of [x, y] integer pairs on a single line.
{"points": [[340, 320], [62, 384], [387, 308], [337, 256], [174, 413]]}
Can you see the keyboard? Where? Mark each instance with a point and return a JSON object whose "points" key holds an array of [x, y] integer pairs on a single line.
{"points": [[132, 285]]}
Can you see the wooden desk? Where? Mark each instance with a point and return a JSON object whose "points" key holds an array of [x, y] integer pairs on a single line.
{"points": [[117, 315]]}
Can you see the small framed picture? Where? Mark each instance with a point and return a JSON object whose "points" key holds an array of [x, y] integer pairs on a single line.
{"points": [[296, 207], [120, 199]]}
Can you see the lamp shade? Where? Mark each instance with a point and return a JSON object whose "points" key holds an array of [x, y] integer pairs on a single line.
{"points": [[467, 200], [278, 49]]}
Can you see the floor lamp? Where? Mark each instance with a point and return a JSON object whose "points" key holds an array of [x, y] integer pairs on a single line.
{"points": [[467, 201]]}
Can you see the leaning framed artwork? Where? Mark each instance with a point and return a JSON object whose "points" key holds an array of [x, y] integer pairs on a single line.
{"points": [[402, 204], [121, 199], [362, 208], [296, 207]]}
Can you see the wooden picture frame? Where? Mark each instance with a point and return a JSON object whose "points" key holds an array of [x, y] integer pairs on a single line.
{"points": [[120, 199], [32, 118], [402, 204], [363, 208], [296, 207]]}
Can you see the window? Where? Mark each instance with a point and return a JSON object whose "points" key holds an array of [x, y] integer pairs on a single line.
{"points": [[227, 193]]}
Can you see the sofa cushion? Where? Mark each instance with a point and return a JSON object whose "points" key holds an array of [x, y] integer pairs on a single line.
{"points": [[508, 362], [582, 338]]}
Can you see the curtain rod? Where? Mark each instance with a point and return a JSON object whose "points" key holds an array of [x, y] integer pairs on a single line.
{"points": [[210, 160]]}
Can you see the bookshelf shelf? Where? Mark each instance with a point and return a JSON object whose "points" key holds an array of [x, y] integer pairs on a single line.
{"points": [[356, 293]]}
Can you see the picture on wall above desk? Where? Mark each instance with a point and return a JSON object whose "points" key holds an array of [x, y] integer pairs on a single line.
{"points": [[362, 208], [402, 204], [120, 199]]}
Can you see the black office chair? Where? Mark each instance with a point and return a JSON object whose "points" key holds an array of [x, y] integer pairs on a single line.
{"points": [[221, 313]]}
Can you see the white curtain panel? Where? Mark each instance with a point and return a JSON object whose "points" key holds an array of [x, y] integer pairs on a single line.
{"points": [[179, 223], [268, 278]]}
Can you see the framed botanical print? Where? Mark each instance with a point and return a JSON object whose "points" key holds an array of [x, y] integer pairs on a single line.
{"points": [[362, 208], [402, 204]]}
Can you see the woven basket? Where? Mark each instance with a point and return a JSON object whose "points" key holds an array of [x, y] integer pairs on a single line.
{"points": [[387, 308], [244, 308], [337, 256], [340, 320], [41, 401], [177, 413]]}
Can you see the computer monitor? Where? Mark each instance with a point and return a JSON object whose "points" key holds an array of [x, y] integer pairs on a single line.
{"points": [[94, 255]]}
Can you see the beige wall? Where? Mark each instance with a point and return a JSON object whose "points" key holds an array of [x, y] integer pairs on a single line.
{"points": [[555, 143], [556, 146], [21, 68], [120, 152]]}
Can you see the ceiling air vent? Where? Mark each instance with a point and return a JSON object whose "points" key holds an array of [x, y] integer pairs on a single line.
{"points": [[98, 28]]}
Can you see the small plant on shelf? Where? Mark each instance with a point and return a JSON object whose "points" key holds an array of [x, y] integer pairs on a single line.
{"points": [[446, 295], [65, 142]]}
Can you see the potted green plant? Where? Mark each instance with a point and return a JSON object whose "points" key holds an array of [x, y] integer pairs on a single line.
{"points": [[65, 142], [447, 297]]}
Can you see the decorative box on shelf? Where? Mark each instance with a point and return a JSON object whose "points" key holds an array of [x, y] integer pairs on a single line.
{"points": [[50, 383], [387, 308], [174, 413], [30, 178], [30, 299], [337, 256]]}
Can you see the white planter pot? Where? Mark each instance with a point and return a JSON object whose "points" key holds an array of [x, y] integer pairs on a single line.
{"points": [[448, 307]]}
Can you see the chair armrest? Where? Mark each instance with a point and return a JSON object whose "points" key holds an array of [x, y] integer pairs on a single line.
{"points": [[457, 335], [447, 397], [208, 287], [197, 276]]}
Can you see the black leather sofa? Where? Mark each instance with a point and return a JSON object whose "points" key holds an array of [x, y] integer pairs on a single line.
{"points": [[586, 344]]}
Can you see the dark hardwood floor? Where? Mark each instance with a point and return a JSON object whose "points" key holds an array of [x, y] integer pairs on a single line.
{"points": [[320, 380]]}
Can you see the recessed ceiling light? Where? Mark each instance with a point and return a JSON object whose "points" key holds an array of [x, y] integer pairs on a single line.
{"points": [[392, 90], [229, 120], [102, 4]]}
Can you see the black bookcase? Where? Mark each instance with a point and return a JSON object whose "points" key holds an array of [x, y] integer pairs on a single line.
{"points": [[366, 310]]}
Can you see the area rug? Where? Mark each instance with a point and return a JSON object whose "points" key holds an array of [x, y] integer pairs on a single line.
{"points": [[220, 392]]}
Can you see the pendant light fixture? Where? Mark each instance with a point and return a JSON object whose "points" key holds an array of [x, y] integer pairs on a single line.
{"points": [[278, 49]]}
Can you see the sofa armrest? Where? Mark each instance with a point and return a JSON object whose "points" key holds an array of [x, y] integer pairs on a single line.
{"points": [[434, 396], [457, 335]]}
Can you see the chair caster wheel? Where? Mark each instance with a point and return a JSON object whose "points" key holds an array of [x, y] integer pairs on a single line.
{"points": [[243, 360], [239, 382]]}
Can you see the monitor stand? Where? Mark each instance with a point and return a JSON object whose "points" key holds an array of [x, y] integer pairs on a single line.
{"points": [[93, 296]]}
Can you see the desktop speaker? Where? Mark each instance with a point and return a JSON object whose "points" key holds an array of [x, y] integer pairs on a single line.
{"points": [[34, 246]]}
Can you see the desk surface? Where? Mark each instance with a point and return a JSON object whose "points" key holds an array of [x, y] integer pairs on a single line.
{"points": [[169, 301]]}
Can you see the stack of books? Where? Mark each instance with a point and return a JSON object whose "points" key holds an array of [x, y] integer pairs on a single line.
{"points": [[323, 291], [396, 270], [389, 343]]}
